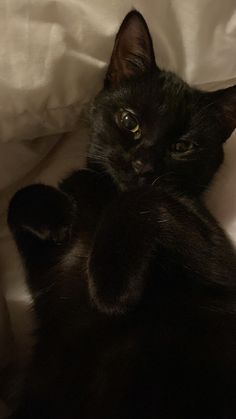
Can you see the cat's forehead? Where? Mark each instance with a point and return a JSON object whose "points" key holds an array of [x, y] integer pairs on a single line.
{"points": [[160, 91]]}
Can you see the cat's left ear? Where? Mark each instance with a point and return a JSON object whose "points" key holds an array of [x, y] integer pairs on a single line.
{"points": [[133, 52], [225, 99]]}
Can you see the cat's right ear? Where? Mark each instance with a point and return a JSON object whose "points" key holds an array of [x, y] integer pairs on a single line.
{"points": [[225, 111], [133, 52]]}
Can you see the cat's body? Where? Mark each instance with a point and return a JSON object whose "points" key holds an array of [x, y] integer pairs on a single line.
{"points": [[133, 280], [171, 355]]}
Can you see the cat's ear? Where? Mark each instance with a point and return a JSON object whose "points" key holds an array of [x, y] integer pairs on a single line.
{"points": [[133, 52], [225, 99]]}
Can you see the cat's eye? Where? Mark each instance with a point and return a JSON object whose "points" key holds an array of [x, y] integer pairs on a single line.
{"points": [[128, 121], [183, 146]]}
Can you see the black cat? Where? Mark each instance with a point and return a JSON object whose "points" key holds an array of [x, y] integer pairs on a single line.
{"points": [[133, 280]]}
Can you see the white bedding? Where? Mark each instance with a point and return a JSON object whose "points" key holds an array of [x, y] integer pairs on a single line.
{"points": [[53, 57], [53, 53]]}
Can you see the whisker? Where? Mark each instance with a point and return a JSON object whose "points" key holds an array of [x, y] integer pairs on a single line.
{"points": [[160, 177]]}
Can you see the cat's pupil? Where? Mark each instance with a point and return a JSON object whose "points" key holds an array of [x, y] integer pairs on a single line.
{"points": [[129, 122], [183, 146]]}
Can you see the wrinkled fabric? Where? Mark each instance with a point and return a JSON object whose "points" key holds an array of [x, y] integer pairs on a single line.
{"points": [[53, 53]]}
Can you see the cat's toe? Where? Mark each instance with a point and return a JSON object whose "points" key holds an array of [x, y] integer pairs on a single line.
{"points": [[43, 212]]}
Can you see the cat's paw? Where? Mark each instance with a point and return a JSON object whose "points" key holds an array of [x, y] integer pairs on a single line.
{"points": [[42, 212], [117, 271], [123, 251], [113, 290]]}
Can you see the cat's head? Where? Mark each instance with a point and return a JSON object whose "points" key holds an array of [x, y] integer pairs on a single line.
{"points": [[147, 122]]}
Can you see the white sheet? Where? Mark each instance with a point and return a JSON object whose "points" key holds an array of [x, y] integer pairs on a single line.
{"points": [[53, 53]]}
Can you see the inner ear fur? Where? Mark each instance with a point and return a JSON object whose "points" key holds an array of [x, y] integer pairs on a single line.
{"points": [[133, 52]]}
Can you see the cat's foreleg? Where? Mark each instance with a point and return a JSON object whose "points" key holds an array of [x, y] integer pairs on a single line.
{"points": [[122, 251], [155, 228]]}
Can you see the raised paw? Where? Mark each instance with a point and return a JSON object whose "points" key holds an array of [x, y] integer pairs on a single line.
{"points": [[119, 262], [43, 212]]}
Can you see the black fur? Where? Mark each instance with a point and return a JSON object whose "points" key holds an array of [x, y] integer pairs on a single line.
{"points": [[169, 111], [133, 280]]}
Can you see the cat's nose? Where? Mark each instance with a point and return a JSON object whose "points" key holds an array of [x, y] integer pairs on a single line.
{"points": [[142, 168]]}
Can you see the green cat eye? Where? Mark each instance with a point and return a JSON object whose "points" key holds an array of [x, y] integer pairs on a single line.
{"points": [[128, 121]]}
